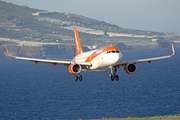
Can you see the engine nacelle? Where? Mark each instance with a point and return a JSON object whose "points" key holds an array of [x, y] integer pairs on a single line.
{"points": [[130, 68], [74, 69]]}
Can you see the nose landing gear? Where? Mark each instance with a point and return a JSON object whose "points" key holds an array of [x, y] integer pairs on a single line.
{"points": [[113, 74]]}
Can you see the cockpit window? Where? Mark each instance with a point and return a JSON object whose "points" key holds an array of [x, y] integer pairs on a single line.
{"points": [[112, 52], [108, 52]]}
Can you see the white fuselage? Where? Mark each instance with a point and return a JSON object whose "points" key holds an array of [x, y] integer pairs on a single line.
{"points": [[101, 62]]}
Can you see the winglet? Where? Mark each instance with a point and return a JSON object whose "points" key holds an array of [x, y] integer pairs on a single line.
{"points": [[77, 43], [173, 52], [6, 50]]}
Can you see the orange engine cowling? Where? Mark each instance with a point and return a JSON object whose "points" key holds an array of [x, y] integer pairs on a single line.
{"points": [[130, 68], [74, 69]]}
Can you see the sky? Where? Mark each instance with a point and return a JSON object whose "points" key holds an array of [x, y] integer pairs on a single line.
{"points": [[150, 15]]}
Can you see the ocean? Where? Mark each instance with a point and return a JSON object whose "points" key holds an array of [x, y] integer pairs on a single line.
{"points": [[41, 91]]}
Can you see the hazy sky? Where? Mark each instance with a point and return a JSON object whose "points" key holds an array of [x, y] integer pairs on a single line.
{"points": [[151, 15]]}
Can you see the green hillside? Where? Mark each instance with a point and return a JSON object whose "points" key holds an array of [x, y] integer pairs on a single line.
{"points": [[19, 22], [21, 16]]}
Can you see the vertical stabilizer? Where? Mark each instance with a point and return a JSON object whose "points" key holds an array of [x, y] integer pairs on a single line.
{"points": [[77, 43]]}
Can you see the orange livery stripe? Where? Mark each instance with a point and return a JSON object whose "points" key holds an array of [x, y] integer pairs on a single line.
{"points": [[99, 51]]}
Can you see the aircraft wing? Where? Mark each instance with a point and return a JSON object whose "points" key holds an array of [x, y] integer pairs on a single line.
{"points": [[148, 59], [55, 62]]}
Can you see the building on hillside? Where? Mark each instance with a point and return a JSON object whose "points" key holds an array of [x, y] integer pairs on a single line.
{"points": [[154, 39], [92, 47], [44, 13], [86, 30], [111, 34]]}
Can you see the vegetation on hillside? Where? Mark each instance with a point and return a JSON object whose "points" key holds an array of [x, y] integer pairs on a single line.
{"points": [[21, 16], [17, 22]]}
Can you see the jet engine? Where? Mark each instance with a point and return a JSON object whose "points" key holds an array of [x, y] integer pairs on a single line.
{"points": [[130, 68], [74, 69]]}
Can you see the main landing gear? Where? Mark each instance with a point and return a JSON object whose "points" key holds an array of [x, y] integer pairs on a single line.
{"points": [[78, 77], [113, 73]]}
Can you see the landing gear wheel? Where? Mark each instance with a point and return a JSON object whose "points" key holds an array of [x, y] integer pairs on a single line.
{"points": [[80, 78], [112, 77], [117, 77], [113, 73], [76, 78]]}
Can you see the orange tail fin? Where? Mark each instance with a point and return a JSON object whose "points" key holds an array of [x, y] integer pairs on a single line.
{"points": [[77, 43]]}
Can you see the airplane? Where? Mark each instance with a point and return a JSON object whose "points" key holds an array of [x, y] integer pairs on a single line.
{"points": [[97, 60]]}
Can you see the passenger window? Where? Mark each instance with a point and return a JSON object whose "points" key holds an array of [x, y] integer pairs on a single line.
{"points": [[113, 51], [117, 51]]}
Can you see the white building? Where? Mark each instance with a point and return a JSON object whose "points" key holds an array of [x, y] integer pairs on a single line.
{"points": [[111, 34], [85, 30], [44, 13]]}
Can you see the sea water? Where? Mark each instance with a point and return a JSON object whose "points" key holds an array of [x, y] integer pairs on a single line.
{"points": [[41, 91]]}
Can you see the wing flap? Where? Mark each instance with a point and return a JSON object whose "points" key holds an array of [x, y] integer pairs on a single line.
{"points": [[145, 60], [58, 62], [148, 59], [54, 61]]}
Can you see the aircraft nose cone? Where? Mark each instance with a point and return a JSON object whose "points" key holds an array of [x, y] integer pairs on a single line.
{"points": [[115, 59]]}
